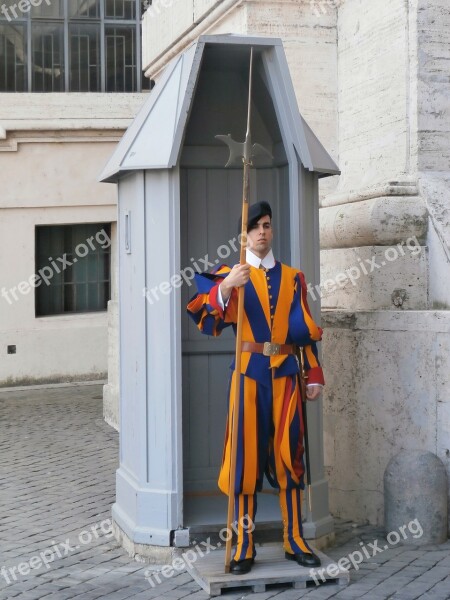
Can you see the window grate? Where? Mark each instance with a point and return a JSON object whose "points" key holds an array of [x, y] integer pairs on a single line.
{"points": [[73, 264], [13, 55], [72, 45]]}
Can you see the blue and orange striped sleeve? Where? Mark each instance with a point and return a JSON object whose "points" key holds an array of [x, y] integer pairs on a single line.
{"points": [[204, 308]]}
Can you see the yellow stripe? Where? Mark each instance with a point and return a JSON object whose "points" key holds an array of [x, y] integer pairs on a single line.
{"points": [[286, 443], [251, 509], [241, 512], [250, 436], [278, 393], [314, 332], [311, 357], [280, 322], [224, 475], [296, 515], [258, 279]]}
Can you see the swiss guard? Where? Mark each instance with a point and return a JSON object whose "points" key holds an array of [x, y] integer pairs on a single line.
{"points": [[276, 321]]}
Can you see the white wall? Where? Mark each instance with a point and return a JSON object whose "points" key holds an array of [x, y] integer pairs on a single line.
{"points": [[54, 348], [54, 147]]}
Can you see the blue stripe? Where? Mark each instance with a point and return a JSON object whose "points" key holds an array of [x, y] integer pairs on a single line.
{"points": [[208, 325], [298, 329], [265, 430], [205, 282], [287, 495], [255, 314], [275, 282]]}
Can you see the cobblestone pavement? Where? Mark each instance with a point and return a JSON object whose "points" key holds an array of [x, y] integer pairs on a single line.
{"points": [[57, 472]]}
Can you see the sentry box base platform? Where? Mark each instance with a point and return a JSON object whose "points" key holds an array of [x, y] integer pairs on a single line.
{"points": [[271, 569]]}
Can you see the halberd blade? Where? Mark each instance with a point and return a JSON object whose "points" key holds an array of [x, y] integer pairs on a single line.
{"points": [[237, 150], [240, 152]]}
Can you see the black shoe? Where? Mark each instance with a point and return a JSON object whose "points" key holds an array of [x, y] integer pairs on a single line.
{"points": [[304, 559], [241, 567]]}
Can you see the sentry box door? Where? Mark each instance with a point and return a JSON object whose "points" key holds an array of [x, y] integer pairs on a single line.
{"points": [[211, 200]]}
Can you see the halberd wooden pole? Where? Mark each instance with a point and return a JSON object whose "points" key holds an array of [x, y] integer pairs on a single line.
{"points": [[237, 369]]}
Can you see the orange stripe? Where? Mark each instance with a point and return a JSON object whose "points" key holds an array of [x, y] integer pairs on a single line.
{"points": [[277, 409], [296, 515], [314, 331], [311, 357], [280, 322], [259, 282], [224, 475], [250, 436], [291, 401]]}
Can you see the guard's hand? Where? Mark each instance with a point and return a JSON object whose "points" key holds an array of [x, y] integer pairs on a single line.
{"points": [[238, 276], [313, 392]]}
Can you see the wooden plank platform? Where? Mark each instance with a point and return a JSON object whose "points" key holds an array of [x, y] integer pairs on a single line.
{"points": [[270, 569]]}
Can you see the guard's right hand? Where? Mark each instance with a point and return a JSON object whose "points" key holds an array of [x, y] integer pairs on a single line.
{"points": [[237, 277]]}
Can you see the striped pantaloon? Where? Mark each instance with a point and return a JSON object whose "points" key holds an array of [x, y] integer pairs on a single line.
{"points": [[270, 440]]}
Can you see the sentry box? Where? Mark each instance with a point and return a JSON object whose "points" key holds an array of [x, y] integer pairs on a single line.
{"points": [[178, 213]]}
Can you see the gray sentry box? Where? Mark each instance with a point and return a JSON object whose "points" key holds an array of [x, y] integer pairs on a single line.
{"points": [[177, 204]]}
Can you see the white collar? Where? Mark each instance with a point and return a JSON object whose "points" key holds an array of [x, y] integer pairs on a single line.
{"points": [[268, 262]]}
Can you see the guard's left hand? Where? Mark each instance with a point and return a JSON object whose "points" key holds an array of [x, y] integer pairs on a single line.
{"points": [[313, 392]]}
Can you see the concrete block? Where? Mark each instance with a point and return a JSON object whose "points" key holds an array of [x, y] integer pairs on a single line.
{"points": [[415, 489], [386, 373]]}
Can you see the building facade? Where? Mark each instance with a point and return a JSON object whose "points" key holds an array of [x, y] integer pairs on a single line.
{"points": [[70, 83]]}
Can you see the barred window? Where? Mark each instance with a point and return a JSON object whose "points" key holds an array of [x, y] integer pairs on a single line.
{"points": [[73, 267], [83, 9], [71, 45], [120, 59], [48, 57], [13, 58], [120, 9], [85, 74]]}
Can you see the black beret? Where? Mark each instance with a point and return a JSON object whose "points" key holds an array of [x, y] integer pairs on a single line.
{"points": [[255, 213]]}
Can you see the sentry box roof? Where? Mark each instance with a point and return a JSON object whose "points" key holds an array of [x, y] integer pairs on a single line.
{"points": [[202, 93]]}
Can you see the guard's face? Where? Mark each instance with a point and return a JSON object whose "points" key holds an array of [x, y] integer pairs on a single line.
{"points": [[259, 238]]}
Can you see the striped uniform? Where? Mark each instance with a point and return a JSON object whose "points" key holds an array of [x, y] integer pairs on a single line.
{"points": [[270, 432]]}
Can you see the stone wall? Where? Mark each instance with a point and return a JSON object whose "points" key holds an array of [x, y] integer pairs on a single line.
{"points": [[433, 136], [386, 369], [52, 149], [388, 376]]}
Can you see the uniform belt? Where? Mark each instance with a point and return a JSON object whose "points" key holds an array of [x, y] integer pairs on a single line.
{"points": [[268, 348]]}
